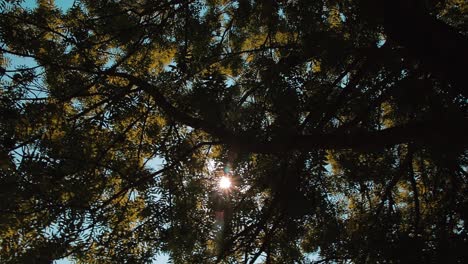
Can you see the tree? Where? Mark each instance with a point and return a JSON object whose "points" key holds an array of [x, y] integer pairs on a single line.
{"points": [[342, 125]]}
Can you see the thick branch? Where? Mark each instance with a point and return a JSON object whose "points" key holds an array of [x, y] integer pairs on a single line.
{"points": [[438, 132], [434, 133]]}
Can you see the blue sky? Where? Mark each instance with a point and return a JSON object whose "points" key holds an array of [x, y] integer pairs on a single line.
{"points": [[63, 4]]}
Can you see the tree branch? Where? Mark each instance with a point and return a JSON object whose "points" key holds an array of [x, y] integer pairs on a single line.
{"points": [[441, 132]]}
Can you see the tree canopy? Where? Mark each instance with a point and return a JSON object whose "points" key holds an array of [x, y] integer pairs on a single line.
{"points": [[341, 124]]}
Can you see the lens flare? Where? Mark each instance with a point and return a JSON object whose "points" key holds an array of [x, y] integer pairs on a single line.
{"points": [[224, 183]]}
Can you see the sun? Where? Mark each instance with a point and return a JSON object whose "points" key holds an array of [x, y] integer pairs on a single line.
{"points": [[224, 182]]}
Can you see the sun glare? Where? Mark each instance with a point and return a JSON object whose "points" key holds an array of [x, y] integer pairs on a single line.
{"points": [[224, 183]]}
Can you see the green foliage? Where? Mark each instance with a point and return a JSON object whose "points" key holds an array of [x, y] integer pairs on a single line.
{"points": [[114, 137]]}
